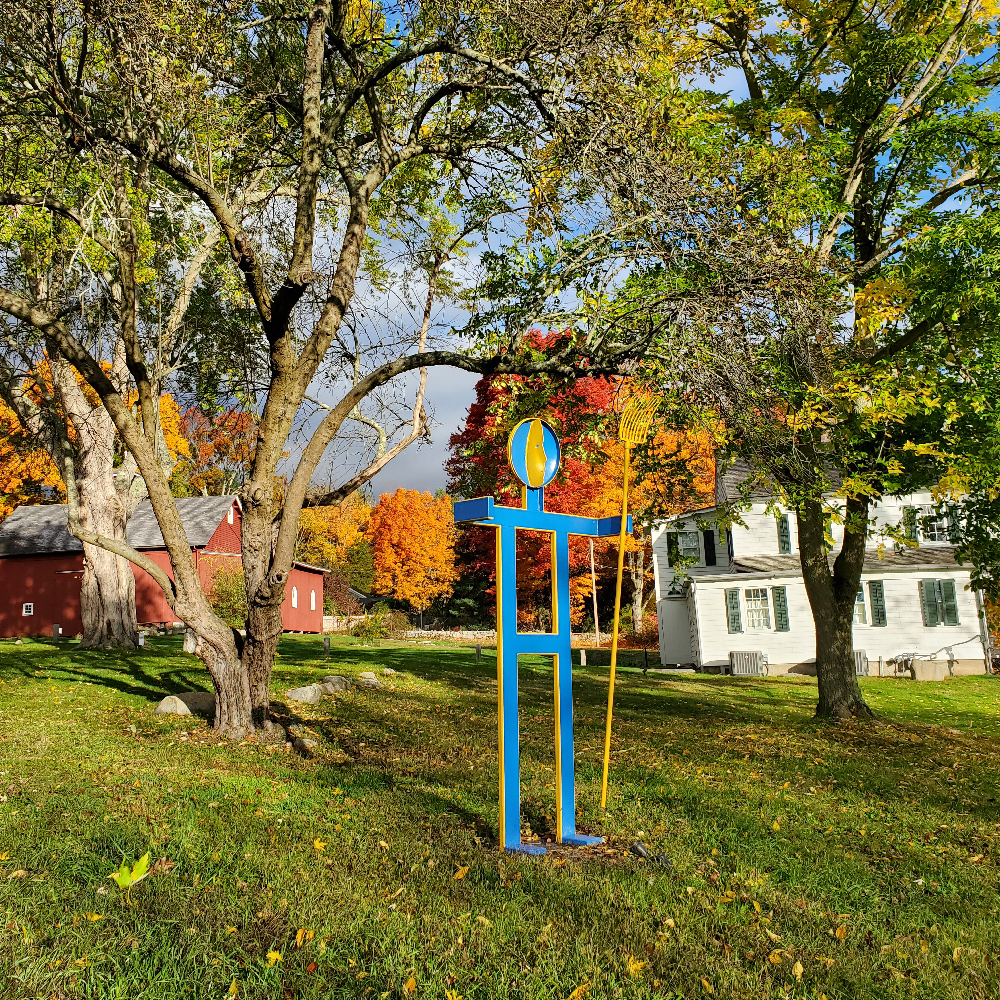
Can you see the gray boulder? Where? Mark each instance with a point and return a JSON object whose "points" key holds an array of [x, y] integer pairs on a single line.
{"points": [[188, 703], [311, 694], [388, 671], [367, 679], [304, 745], [333, 683]]}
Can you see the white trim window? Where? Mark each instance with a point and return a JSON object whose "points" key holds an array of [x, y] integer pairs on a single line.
{"points": [[860, 611], [689, 545], [312, 600], [27, 609], [935, 530], [295, 597], [758, 608]]}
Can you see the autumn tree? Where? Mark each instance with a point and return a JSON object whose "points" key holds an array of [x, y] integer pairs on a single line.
{"points": [[867, 136], [27, 473], [359, 123], [218, 455], [412, 535]]}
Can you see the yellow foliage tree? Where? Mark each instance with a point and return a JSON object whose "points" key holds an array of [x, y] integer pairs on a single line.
{"points": [[413, 539], [327, 534]]}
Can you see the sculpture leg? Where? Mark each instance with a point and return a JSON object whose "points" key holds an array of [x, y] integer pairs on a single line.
{"points": [[563, 678], [508, 735]]}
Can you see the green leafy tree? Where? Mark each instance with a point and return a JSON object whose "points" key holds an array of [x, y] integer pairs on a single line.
{"points": [[867, 137]]}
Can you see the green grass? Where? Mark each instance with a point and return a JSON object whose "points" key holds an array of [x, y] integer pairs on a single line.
{"points": [[861, 859]]}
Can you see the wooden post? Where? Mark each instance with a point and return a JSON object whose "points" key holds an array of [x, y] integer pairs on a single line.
{"points": [[479, 654], [326, 645], [593, 590], [56, 631], [583, 657]]}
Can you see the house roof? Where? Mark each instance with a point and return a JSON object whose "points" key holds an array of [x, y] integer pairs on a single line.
{"points": [[41, 529], [938, 557]]}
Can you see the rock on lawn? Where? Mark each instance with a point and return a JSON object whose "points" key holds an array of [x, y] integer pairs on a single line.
{"points": [[311, 694], [188, 703]]}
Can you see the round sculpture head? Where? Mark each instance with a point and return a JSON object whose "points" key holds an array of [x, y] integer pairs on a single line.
{"points": [[533, 452]]}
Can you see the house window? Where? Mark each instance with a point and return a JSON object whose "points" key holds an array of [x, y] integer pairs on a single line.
{"points": [[860, 613], [295, 597], [909, 523], [758, 608], [27, 610], [229, 516], [312, 600], [938, 602], [935, 529], [689, 545]]}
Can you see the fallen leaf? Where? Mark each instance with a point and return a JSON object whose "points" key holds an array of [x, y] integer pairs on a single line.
{"points": [[462, 872], [383, 845], [302, 935], [772, 935], [756, 906], [232, 989], [635, 967], [775, 825], [320, 845], [775, 957], [17, 873], [483, 921], [273, 957], [797, 971], [580, 992], [955, 955], [841, 932], [94, 916], [410, 986], [311, 967], [707, 986]]}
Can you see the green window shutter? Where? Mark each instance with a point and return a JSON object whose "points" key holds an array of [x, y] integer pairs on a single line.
{"points": [[928, 602], [784, 536], [780, 599], [876, 593], [954, 524], [949, 599], [673, 548], [733, 610]]}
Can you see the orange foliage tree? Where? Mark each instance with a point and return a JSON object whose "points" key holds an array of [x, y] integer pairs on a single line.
{"points": [[27, 473], [413, 539]]}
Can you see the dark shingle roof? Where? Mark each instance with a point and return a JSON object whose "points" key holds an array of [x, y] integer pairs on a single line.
{"points": [[938, 557], [41, 530], [729, 479]]}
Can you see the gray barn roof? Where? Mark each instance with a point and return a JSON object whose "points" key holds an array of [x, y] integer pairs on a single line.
{"points": [[41, 530]]}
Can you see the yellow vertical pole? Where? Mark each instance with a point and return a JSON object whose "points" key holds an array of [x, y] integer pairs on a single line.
{"points": [[614, 632]]}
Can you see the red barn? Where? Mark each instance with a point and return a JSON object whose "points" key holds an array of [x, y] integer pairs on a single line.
{"points": [[41, 565]]}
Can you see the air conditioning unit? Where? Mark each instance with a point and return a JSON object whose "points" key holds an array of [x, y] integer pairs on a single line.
{"points": [[748, 664], [860, 663]]}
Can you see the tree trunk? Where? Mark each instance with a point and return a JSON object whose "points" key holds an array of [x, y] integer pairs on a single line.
{"points": [[107, 600], [832, 594], [216, 647]]}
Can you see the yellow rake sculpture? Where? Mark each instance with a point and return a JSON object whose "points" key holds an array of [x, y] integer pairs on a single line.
{"points": [[633, 429]]}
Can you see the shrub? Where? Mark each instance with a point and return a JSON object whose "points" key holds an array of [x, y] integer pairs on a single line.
{"points": [[228, 596], [371, 628]]}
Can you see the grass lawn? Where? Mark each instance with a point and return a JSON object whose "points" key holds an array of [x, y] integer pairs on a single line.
{"points": [[807, 860]]}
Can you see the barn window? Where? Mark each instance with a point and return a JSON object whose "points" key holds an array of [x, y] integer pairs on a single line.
{"points": [[229, 516], [27, 609], [295, 597], [312, 600]]}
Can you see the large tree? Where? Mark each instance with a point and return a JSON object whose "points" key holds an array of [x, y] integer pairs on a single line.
{"points": [[867, 133], [361, 120]]}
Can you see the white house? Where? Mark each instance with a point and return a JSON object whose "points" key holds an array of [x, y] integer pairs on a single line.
{"points": [[742, 591]]}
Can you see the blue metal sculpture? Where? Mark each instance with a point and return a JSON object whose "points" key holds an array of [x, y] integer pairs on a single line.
{"points": [[533, 453]]}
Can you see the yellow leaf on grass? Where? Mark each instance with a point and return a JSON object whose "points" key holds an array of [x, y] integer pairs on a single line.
{"points": [[231, 930], [635, 967], [707, 986], [232, 989], [772, 935], [797, 971], [273, 957], [383, 845], [462, 872], [320, 845], [410, 986], [302, 935], [580, 992], [955, 955], [775, 825], [4, 856], [483, 921], [775, 957], [94, 916], [756, 906], [841, 932]]}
